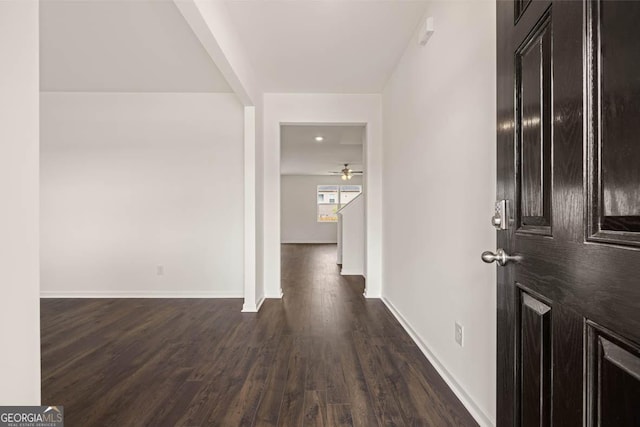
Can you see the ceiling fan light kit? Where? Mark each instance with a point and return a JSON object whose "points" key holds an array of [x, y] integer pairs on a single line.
{"points": [[347, 173]]}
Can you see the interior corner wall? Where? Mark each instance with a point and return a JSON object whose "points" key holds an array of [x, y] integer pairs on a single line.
{"points": [[299, 209], [142, 194], [439, 118], [259, 202], [290, 108], [19, 281]]}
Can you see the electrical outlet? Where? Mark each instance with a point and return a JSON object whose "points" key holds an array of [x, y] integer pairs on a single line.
{"points": [[459, 334], [160, 270]]}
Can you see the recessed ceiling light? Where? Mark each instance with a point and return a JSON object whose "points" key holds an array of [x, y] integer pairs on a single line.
{"points": [[319, 138]]}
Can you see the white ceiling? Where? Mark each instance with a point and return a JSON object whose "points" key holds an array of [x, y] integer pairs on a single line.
{"points": [[122, 46], [325, 46], [302, 155]]}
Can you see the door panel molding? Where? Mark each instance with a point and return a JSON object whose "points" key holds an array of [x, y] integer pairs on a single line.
{"points": [[613, 363], [534, 135], [614, 213], [535, 361], [520, 8]]}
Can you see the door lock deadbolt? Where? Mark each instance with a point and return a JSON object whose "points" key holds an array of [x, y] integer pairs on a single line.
{"points": [[500, 219]]}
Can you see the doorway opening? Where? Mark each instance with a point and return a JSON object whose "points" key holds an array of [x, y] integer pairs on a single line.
{"points": [[322, 192]]}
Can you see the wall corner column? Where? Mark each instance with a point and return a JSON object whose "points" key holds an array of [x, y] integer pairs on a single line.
{"points": [[250, 210]]}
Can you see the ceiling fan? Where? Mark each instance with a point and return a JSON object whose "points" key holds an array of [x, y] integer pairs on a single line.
{"points": [[347, 173]]}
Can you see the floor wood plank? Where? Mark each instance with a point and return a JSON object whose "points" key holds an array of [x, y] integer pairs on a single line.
{"points": [[339, 416], [321, 356], [315, 408]]}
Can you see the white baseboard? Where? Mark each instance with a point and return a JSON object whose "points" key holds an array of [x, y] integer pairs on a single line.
{"points": [[249, 308], [138, 294], [275, 296], [350, 273], [466, 400], [253, 308], [369, 295], [310, 242]]}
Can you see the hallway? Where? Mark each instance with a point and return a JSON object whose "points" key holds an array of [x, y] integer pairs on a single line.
{"points": [[321, 356]]}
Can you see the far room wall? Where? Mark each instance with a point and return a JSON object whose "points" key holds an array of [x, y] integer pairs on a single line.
{"points": [[298, 216], [142, 194]]}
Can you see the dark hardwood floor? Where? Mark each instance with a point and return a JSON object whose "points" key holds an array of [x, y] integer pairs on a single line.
{"points": [[322, 356]]}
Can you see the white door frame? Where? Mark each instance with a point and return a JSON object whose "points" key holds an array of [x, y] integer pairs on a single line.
{"points": [[339, 109]]}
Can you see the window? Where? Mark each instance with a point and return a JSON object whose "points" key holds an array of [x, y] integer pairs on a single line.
{"points": [[333, 197], [348, 193], [328, 203]]}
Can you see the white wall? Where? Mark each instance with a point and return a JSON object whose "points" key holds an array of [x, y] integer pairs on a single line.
{"points": [[19, 286], [249, 171], [131, 182], [299, 209], [439, 116], [284, 108], [259, 211]]}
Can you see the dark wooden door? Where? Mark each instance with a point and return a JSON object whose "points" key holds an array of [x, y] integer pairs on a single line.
{"points": [[568, 136]]}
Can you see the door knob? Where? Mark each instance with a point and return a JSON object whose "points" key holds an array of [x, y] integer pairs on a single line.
{"points": [[500, 256]]}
